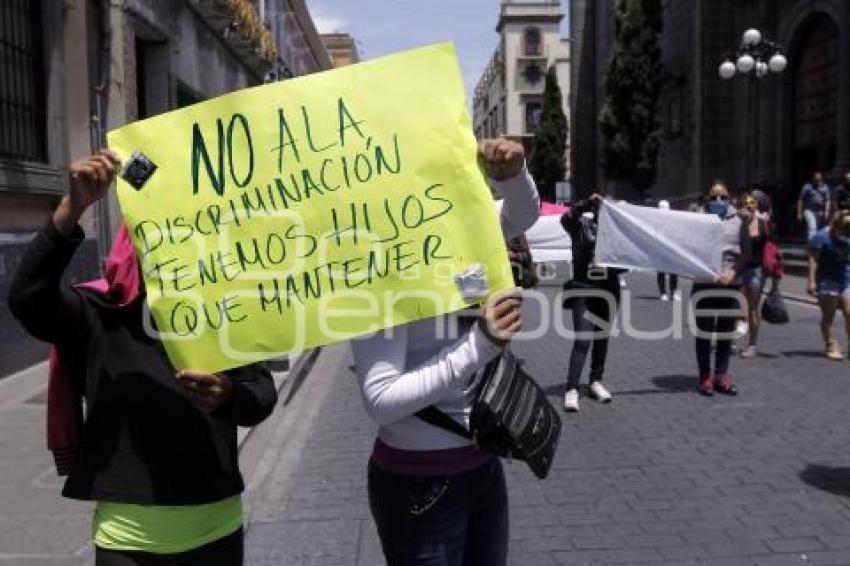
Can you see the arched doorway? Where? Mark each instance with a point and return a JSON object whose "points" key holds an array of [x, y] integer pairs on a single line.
{"points": [[815, 62]]}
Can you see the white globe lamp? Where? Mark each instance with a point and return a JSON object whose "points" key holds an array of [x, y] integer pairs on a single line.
{"points": [[727, 70], [745, 64], [752, 37], [761, 69], [778, 63]]}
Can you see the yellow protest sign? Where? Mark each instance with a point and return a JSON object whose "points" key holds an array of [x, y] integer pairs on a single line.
{"points": [[309, 211]]}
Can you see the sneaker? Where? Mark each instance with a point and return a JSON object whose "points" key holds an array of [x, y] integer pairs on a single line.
{"points": [[571, 401], [749, 352], [665, 297], [677, 296], [706, 385], [598, 392], [833, 352], [723, 384]]}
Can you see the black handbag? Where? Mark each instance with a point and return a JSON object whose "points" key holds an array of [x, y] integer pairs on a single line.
{"points": [[773, 309], [511, 416]]}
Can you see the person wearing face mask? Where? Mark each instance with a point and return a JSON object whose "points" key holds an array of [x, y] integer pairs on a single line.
{"points": [[717, 302], [597, 296], [758, 232], [829, 277]]}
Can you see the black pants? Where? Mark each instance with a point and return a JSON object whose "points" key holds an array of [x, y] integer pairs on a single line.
{"points": [[599, 307], [454, 520], [662, 283], [225, 551], [715, 323]]}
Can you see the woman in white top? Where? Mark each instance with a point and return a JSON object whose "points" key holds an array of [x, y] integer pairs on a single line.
{"points": [[435, 498]]}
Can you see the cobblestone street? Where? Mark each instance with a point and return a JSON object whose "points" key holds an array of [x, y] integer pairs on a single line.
{"points": [[661, 476]]}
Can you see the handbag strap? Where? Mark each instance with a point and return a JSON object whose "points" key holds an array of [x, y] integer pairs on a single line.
{"points": [[435, 417]]}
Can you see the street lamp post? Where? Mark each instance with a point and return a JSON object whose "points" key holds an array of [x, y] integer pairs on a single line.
{"points": [[755, 58]]}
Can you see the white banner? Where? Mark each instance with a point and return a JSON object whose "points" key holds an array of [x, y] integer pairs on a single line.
{"points": [[669, 241]]}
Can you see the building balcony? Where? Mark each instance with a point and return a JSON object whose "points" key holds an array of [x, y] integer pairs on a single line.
{"points": [[242, 30]]}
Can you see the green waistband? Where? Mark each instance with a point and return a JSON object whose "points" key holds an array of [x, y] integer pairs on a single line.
{"points": [[164, 529]]}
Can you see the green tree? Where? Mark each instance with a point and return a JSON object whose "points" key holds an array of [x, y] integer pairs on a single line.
{"points": [[548, 164], [629, 120]]}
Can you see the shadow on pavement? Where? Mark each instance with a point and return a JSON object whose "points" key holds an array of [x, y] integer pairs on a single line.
{"points": [[827, 478], [666, 384], [555, 390], [804, 354], [675, 383], [663, 384]]}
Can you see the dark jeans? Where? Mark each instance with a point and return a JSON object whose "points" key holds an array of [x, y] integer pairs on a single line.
{"points": [[712, 325], [601, 308], [662, 283], [225, 551], [456, 520]]}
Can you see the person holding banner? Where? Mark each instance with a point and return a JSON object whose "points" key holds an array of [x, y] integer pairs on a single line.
{"points": [[596, 293], [717, 304], [829, 277], [435, 498], [157, 448]]}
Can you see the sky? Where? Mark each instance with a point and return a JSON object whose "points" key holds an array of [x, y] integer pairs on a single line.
{"points": [[382, 27]]}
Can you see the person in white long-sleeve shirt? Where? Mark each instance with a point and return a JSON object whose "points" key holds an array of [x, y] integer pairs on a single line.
{"points": [[435, 498]]}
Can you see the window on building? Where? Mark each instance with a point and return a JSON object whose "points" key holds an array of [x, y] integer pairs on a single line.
{"points": [[532, 74], [532, 43], [533, 113], [23, 129]]}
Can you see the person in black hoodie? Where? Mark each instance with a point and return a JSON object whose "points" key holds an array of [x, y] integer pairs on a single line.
{"points": [[158, 448], [592, 293]]}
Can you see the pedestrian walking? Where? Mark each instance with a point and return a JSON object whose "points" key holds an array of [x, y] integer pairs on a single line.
{"points": [[595, 305], [668, 282], [436, 499], [157, 448], [753, 278], [716, 303], [829, 278], [813, 204]]}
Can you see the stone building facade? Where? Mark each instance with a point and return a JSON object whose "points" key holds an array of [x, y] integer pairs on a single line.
{"points": [[342, 48], [70, 70], [508, 98], [797, 121]]}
